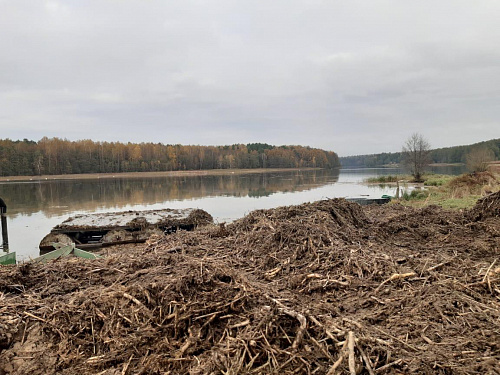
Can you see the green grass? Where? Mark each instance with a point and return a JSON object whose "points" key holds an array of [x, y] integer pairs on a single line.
{"points": [[451, 192], [437, 179], [429, 179], [415, 194], [439, 198], [385, 179]]}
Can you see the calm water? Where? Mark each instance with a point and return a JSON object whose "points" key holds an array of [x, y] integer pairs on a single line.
{"points": [[35, 207]]}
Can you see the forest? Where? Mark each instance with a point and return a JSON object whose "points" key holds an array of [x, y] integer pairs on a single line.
{"points": [[447, 155], [51, 156]]}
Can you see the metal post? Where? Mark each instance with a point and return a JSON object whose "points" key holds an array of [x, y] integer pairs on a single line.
{"points": [[3, 219]]}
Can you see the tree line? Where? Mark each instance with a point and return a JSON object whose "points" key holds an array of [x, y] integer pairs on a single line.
{"points": [[60, 156], [457, 154]]}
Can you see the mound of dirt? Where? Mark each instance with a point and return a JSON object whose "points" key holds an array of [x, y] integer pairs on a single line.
{"points": [[486, 207], [320, 288]]}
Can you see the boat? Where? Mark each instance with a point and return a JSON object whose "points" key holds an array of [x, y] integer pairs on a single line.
{"points": [[62, 250], [97, 230], [7, 258], [367, 201]]}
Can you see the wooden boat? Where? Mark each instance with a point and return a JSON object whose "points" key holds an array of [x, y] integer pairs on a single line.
{"points": [[93, 231]]}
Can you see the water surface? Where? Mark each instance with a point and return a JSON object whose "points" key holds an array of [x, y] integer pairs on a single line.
{"points": [[35, 207]]}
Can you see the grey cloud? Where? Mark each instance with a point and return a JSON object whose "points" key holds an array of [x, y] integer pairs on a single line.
{"points": [[329, 74]]}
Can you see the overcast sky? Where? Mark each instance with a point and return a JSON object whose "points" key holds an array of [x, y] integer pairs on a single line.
{"points": [[350, 76]]}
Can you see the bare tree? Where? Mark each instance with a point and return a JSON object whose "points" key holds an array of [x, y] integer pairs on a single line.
{"points": [[478, 159], [415, 155]]}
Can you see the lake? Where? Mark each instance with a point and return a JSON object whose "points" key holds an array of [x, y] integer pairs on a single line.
{"points": [[35, 207]]}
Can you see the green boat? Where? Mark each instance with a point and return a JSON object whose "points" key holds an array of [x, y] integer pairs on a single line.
{"points": [[63, 250], [8, 258]]}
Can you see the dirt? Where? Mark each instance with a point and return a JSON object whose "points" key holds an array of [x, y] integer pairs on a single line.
{"points": [[320, 288]]}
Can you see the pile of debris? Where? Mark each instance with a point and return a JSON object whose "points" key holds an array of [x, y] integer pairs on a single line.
{"points": [[486, 207], [475, 183], [320, 288]]}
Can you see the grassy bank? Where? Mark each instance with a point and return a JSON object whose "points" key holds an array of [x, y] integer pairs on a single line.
{"points": [[429, 180], [387, 179], [453, 192]]}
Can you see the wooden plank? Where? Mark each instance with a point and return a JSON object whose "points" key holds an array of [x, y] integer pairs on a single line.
{"points": [[73, 230]]}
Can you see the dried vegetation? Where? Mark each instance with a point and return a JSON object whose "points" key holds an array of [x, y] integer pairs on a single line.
{"points": [[321, 288]]}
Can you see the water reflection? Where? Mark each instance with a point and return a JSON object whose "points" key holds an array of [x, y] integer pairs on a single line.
{"points": [[54, 197], [36, 207]]}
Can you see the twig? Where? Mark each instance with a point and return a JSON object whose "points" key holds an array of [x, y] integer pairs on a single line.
{"points": [[395, 338], [24, 333], [190, 340], [125, 368], [438, 265], [34, 316], [357, 324], [328, 333], [273, 272], [366, 360], [385, 367], [138, 303], [303, 325], [294, 314], [350, 346], [241, 324], [396, 276], [93, 335], [323, 350], [332, 369], [488, 271], [134, 300]]}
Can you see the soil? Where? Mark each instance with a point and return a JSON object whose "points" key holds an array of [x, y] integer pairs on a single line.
{"points": [[320, 288]]}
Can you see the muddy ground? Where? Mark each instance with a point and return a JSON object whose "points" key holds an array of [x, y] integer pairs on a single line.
{"points": [[321, 288]]}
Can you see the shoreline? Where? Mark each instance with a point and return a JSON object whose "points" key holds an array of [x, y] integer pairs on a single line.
{"points": [[96, 176]]}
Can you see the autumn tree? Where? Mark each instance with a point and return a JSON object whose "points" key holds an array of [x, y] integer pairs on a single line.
{"points": [[478, 159], [61, 156], [416, 155]]}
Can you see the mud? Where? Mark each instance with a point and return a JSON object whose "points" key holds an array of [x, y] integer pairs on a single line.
{"points": [[320, 288]]}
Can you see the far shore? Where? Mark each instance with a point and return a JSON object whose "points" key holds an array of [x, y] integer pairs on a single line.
{"points": [[430, 165], [94, 176]]}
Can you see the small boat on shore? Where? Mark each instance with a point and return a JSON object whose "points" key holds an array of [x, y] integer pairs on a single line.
{"points": [[7, 258], [65, 251], [367, 201], [93, 231]]}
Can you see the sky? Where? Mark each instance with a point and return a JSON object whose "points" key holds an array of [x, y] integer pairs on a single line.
{"points": [[354, 77]]}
